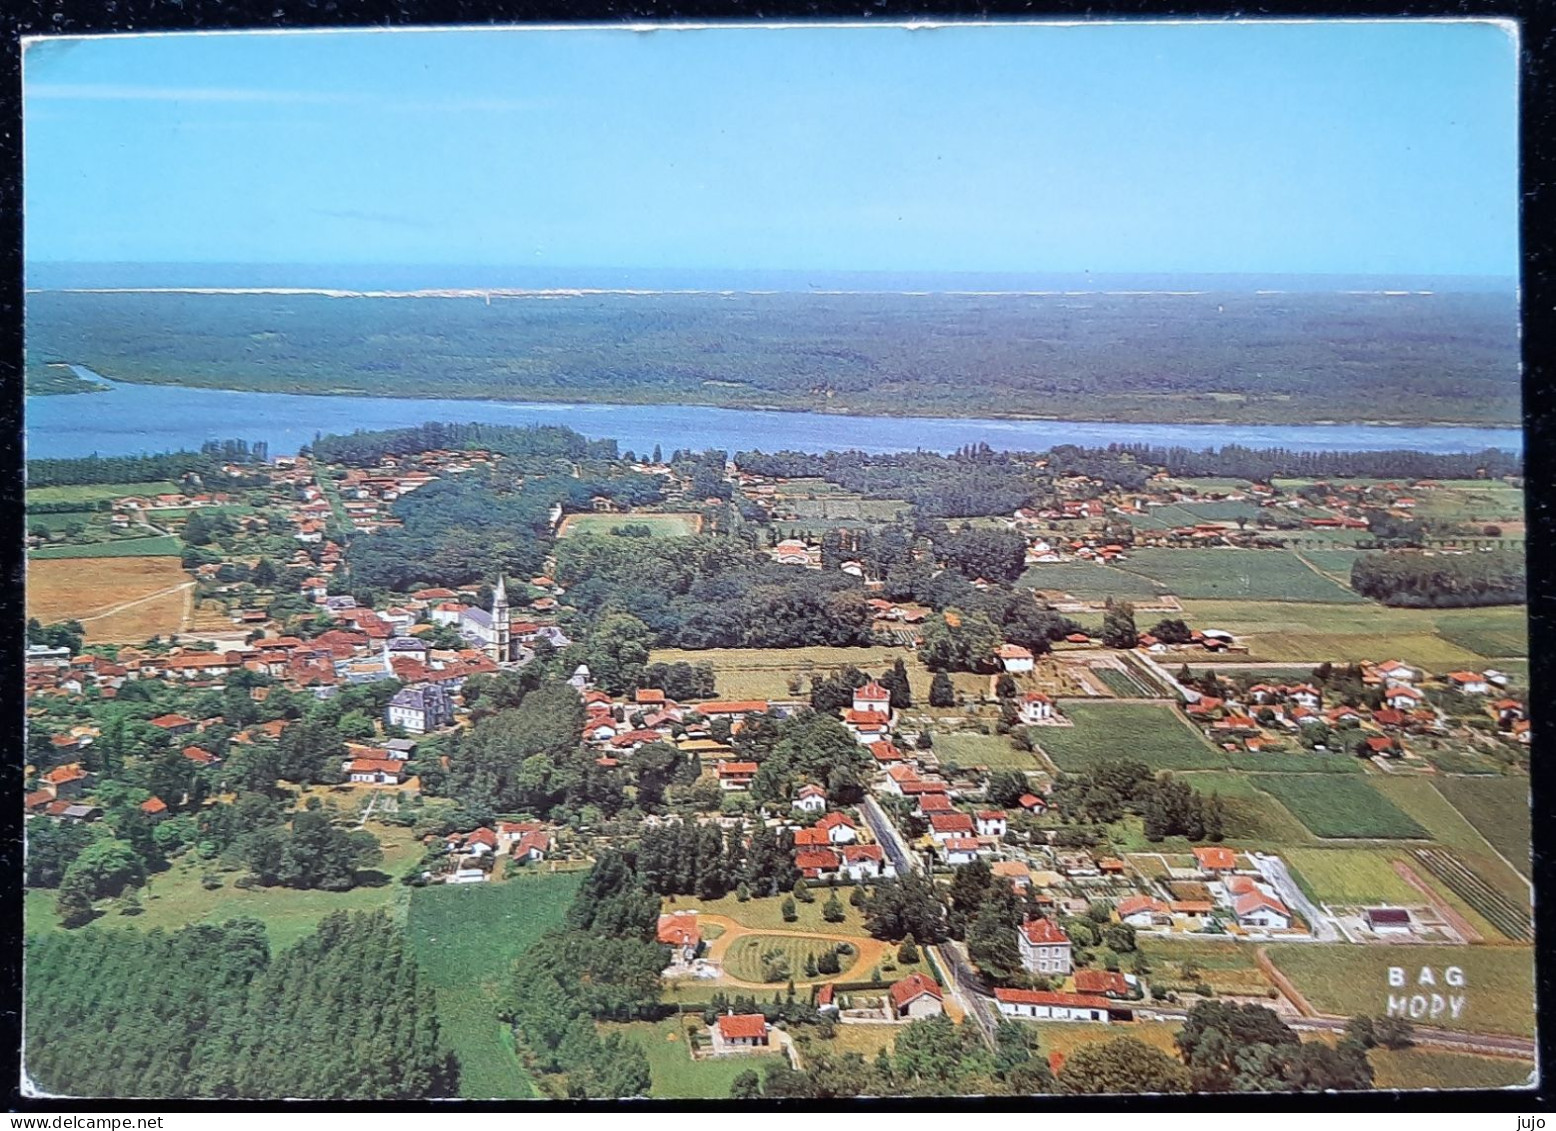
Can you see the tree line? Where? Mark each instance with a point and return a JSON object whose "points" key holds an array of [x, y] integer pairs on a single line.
{"points": [[1441, 581]]}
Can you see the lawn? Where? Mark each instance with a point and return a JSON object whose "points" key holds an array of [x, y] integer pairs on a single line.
{"points": [[1088, 582], [766, 914], [1344, 980], [746, 957], [1349, 876], [994, 752], [1338, 805], [674, 1074], [1263, 575], [466, 938], [1423, 1067], [1066, 1036], [1499, 809], [160, 546], [1153, 734], [93, 492], [662, 525]]}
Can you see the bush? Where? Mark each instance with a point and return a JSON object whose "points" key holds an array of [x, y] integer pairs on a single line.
{"points": [[828, 963], [908, 951], [790, 912]]}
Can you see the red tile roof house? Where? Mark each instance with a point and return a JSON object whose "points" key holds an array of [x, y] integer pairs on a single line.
{"points": [[1039, 1005], [1212, 859], [681, 932], [839, 828], [1107, 983], [915, 996], [740, 1030], [1045, 948], [814, 863], [736, 775], [944, 826]]}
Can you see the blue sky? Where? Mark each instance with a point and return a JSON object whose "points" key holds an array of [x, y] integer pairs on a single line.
{"points": [[1260, 148]]}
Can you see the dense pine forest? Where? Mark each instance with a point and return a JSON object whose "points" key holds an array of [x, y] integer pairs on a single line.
{"points": [[208, 1011]]}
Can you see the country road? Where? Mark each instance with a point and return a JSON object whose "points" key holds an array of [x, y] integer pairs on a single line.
{"points": [[961, 979]]}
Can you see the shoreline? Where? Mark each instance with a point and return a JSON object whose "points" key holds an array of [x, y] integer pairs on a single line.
{"points": [[820, 410]]}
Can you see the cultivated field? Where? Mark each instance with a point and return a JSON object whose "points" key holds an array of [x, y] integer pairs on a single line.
{"points": [[153, 547], [95, 492], [1144, 731], [1423, 1067], [1499, 810], [1312, 632], [1344, 980], [764, 673], [1234, 574], [1350, 876], [1337, 805], [663, 525], [1088, 582], [1427, 804], [115, 599]]}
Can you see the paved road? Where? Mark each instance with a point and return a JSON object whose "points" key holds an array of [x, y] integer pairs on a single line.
{"points": [[962, 980]]}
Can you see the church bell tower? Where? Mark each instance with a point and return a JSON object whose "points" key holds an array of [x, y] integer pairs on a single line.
{"points": [[502, 639]]}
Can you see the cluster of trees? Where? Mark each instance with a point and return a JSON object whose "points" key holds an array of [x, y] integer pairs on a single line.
{"points": [[703, 860], [66, 634], [208, 1012], [1114, 787], [1247, 1048], [1440, 582], [1118, 625], [712, 592], [974, 481], [930, 1057], [603, 964], [524, 441], [1260, 465], [311, 852], [95, 469], [832, 693], [805, 747]]}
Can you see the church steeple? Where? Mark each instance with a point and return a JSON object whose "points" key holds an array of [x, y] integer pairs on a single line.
{"points": [[502, 643]]}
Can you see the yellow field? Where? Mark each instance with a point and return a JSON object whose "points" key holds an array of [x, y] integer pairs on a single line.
{"points": [[123, 600]]}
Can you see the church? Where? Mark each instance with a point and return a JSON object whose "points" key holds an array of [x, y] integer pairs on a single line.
{"points": [[492, 632]]}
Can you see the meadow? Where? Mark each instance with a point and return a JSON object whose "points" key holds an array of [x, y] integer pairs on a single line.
{"points": [[1427, 803], [1423, 1067], [1343, 980], [766, 913], [1153, 734], [1088, 582], [1339, 806], [154, 547], [466, 938], [995, 752], [662, 525], [764, 673], [98, 492], [115, 599]]}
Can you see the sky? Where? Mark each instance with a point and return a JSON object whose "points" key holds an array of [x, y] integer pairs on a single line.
{"points": [[1319, 148]]}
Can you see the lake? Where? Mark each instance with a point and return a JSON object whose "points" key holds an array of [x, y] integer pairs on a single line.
{"points": [[135, 418]]}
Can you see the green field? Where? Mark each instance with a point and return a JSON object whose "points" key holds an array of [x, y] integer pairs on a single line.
{"points": [[175, 898], [1427, 804], [1423, 1067], [1349, 876], [1493, 633], [994, 752], [674, 1073], [158, 547], [1499, 809], [766, 913], [744, 958], [1312, 632], [1088, 582], [1153, 734], [1235, 574], [93, 492], [663, 525], [1336, 805], [1253, 817], [764, 673], [1344, 980], [466, 938]]}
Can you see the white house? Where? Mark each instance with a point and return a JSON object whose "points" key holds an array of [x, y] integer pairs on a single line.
{"points": [[1469, 683], [959, 850], [839, 828], [866, 862], [873, 697], [1403, 697], [990, 822], [1045, 948], [1014, 658], [420, 709], [742, 1030], [1142, 911], [1258, 909], [1396, 672], [374, 771], [1035, 708], [1040, 1005], [812, 799]]}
